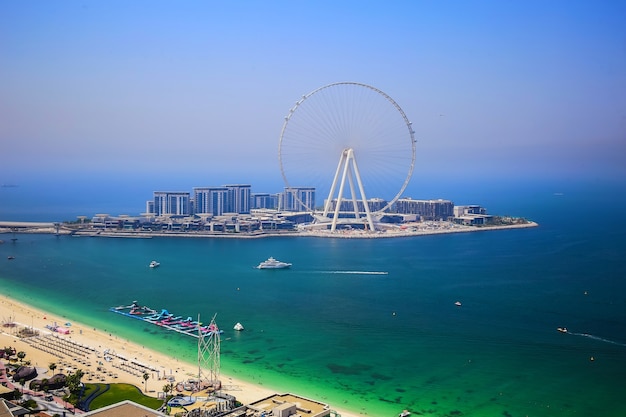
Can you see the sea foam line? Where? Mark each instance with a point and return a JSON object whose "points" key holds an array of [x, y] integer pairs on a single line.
{"points": [[600, 339], [357, 272]]}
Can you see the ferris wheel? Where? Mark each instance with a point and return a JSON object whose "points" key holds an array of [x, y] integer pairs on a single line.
{"points": [[351, 142]]}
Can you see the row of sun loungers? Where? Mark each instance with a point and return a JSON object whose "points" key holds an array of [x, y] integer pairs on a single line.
{"points": [[59, 347], [73, 354]]}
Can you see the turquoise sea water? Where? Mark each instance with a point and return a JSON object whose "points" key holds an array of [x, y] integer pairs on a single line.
{"points": [[379, 343]]}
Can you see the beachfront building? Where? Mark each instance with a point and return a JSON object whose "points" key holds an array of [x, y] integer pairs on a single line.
{"points": [[9, 408], [210, 200], [374, 204], [260, 201], [103, 221], [297, 199], [124, 408], [171, 203], [471, 209], [238, 198], [282, 405], [426, 209], [471, 215], [277, 405]]}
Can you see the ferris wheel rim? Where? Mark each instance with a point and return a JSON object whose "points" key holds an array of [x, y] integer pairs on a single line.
{"points": [[407, 122]]}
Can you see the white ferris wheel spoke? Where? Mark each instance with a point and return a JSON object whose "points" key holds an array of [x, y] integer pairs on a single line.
{"points": [[347, 120]]}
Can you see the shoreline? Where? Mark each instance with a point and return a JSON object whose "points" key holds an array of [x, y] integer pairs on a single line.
{"points": [[28, 316], [246, 391], [410, 230]]}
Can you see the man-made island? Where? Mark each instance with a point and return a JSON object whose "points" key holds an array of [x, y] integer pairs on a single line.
{"points": [[411, 218], [234, 211], [118, 227]]}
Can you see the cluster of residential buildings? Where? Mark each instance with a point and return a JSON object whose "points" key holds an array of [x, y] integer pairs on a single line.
{"points": [[230, 198], [235, 208], [239, 199]]}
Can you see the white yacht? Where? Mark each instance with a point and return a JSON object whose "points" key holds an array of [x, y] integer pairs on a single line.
{"points": [[272, 263], [154, 264], [238, 327]]}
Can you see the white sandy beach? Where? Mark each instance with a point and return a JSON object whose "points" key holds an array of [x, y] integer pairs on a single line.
{"points": [[91, 361]]}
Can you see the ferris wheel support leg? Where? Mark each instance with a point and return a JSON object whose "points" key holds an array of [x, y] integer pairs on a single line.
{"points": [[342, 159], [333, 226], [355, 205], [368, 214]]}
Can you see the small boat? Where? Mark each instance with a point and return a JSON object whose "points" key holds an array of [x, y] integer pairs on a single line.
{"points": [[238, 327], [562, 329], [404, 413], [10, 257], [458, 304], [272, 263], [154, 264]]}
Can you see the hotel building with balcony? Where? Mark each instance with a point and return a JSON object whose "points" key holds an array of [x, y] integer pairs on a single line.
{"points": [[297, 199], [209, 200], [373, 204], [264, 201], [176, 203], [238, 198], [425, 209]]}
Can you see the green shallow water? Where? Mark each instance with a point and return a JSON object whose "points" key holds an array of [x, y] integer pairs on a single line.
{"points": [[375, 344]]}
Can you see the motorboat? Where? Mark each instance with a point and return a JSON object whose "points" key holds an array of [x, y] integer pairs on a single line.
{"points": [[458, 304], [154, 264], [238, 327], [562, 329], [404, 413], [272, 263]]}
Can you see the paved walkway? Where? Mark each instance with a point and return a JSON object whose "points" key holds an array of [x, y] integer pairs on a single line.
{"points": [[56, 406]]}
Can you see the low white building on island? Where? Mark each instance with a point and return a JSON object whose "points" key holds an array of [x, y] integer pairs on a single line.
{"points": [[471, 215]]}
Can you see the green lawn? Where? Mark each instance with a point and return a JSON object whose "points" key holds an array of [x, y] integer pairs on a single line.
{"points": [[117, 393]]}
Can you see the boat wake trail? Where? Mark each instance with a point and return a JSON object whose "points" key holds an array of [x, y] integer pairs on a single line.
{"points": [[357, 272], [600, 339]]}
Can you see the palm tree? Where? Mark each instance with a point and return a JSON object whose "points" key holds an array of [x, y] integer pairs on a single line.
{"points": [[21, 355], [145, 378], [43, 386], [52, 367], [167, 388], [73, 381]]}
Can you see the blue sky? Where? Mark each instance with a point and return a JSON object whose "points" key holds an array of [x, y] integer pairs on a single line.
{"points": [[192, 93]]}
